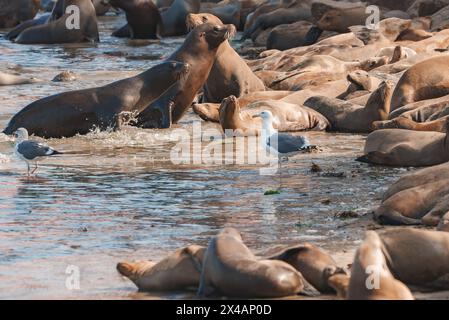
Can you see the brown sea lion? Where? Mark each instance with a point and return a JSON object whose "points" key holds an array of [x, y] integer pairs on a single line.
{"points": [[12, 34], [315, 70], [438, 125], [419, 258], [339, 16], [315, 265], [180, 270], [55, 30], [142, 16], [371, 278], [14, 12], [425, 80], [174, 18], [78, 112], [347, 117], [231, 269], [230, 75], [287, 13], [417, 197], [406, 148], [228, 11], [286, 36], [424, 110], [210, 111], [199, 51], [289, 117]]}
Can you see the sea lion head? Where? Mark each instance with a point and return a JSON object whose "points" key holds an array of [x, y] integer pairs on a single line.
{"points": [[230, 103], [212, 35], [361, 79], [194, 20], [229, 108]]}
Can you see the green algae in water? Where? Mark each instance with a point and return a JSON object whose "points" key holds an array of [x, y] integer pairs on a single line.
{"points": [[271, 192]]}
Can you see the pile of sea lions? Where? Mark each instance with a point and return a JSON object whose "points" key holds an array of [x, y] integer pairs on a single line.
{"points": [[314, 65], [396, 262]]}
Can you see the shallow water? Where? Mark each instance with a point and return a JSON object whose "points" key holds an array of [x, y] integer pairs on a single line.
{"points": [[117, 195]]}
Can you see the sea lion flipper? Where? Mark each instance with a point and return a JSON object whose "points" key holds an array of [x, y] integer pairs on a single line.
{"points": [[374, 157], [392, 217], [309, 290]]}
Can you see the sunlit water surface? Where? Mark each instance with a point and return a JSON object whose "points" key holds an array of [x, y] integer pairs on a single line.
{"points": [[117, 195]]}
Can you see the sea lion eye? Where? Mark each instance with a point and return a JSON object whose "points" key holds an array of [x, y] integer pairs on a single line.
{"points": [[205, 19]]}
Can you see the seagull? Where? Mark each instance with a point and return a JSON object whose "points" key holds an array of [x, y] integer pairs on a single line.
{"points": [[29, 150], [281, 143]]}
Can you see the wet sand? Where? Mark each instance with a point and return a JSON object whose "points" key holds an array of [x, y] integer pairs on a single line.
{"points": [[119, 197]]}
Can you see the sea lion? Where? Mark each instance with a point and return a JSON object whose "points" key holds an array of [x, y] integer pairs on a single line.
{"points": [[361, 83], [230, 75], [418, 197], [231, 269], [10, 79], [142, 16], [11, 35], [315, 265], [419, 258], [314, 70], [438, 125], [425, 80], [338, 16], [285, 14], [289, 117], [370, 266], [14, 12], [210, 111], [55, 29], [406, 148], [78, 112], [227, 11], [174, 18], [347, 117], [424, 110], [180, 270], [286, 36], [199, 51]]}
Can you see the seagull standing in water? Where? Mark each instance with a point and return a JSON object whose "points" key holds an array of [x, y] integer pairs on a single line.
{"points": [[29, 150], [281, 144]]}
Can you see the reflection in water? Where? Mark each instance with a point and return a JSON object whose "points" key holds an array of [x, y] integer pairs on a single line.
{"points": [[116, 195]]}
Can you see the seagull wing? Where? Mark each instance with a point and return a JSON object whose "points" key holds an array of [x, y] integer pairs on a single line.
{"points": [[287, 143], [32, 149]]}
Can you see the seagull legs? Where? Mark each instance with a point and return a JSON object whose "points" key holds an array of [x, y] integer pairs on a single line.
{"points": [[35, 168], [28, 169]]}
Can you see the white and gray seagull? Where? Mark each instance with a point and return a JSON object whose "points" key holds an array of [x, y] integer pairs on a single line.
{"points": [[282, 143], [30, 150]]}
